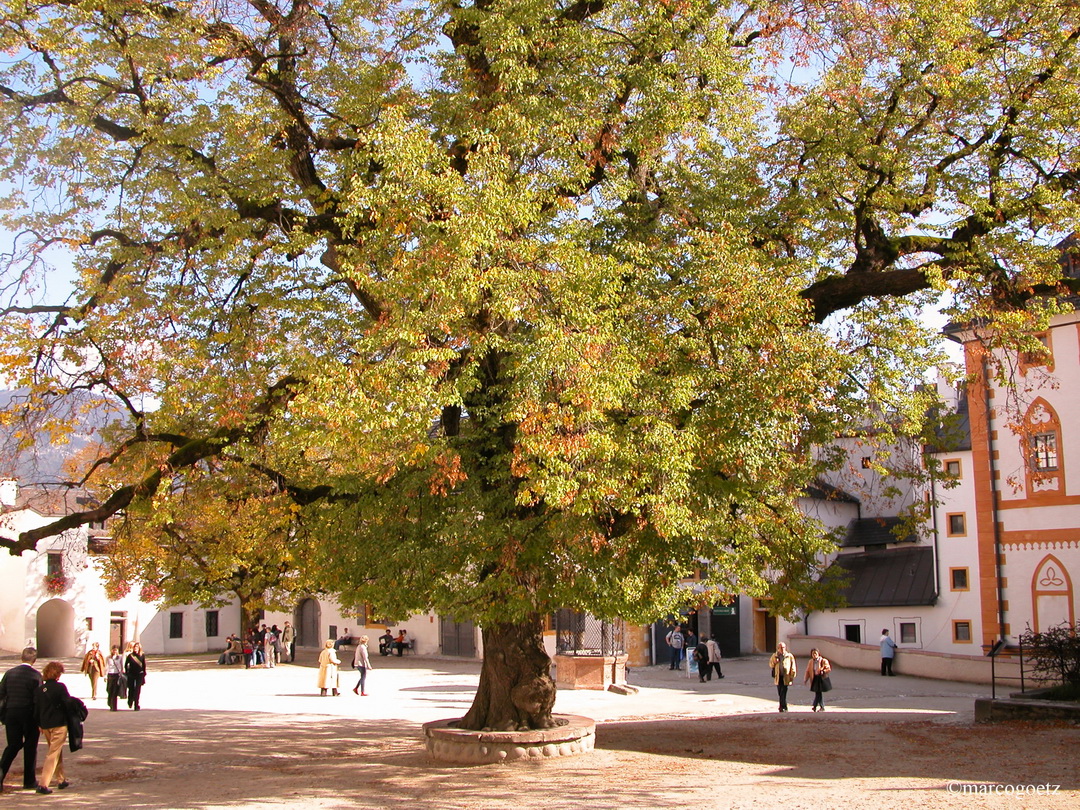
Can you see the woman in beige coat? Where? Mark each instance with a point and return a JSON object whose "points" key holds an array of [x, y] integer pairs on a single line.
{"points": [[328, 668], [93, 665]]}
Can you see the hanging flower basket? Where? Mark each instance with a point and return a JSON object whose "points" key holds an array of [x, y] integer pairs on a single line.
{"points": [[149, 592], [56, 584]]}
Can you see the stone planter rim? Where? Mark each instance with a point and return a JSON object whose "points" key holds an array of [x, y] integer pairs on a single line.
{"points": [[575, 727], [460, 746]]}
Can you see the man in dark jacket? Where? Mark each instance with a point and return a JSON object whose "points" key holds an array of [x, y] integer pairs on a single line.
{"points": [[17, 688]]}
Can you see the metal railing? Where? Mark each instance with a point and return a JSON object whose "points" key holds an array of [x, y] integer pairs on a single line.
{"points": [[578, 633]]}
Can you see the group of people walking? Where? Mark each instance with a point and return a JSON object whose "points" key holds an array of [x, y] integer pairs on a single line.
{"points": [[782, 666], [784, 671], [124, 673], [34, 705]]}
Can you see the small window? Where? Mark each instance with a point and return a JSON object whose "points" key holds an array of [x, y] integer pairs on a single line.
{"points": [[1043, 356], [211, 623], [176, 625], [907, 633], [1044, 454], [961, 632], [853, 632], [957, 524], [55, 563], [959, 578], [952, 468]]}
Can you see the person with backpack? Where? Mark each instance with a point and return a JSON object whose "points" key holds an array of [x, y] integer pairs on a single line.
{"points": [[676, 640]]}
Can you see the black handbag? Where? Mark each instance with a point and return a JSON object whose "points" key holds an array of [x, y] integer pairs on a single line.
{"points": [[826, 684]]}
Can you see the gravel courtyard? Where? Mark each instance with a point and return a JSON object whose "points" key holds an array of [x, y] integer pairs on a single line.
{"points": [[217, 737]]}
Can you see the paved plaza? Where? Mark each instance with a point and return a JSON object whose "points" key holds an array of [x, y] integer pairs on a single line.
{"points": [[217, 737]]}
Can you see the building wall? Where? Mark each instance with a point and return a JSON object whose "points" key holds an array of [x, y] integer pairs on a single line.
{"points": [[1034, 532], [422, 628]]}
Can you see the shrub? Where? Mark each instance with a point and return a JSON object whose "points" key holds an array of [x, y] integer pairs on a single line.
{"points": [[1054, 654]]}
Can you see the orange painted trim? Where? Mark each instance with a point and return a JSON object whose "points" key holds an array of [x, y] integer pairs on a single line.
{"points": [[1047, 499], [1063, 536], [983, 528], [948, 524], [1046, 587], [969, 639], [967, 576]]}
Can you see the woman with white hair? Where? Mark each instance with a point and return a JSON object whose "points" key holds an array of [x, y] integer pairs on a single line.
{"points": [[328, 668]]}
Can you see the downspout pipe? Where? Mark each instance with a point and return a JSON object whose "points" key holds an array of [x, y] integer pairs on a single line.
{"points": [[994, 509]]}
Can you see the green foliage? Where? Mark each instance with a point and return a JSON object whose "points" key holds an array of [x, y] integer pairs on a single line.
{"points": [[506, 307]]}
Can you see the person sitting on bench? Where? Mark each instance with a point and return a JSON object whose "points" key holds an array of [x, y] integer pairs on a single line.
{"points": [[343, 639]]}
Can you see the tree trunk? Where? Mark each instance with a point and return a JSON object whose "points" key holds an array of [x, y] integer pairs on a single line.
{"points": [[516, 692], [247, 615]]}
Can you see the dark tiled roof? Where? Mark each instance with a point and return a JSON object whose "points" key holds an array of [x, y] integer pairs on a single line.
{"points": [[1070, 257], [875, 531], [953, 432], [889, 578], [824, 491]]}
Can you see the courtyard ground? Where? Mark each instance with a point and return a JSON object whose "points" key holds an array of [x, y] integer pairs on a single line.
{"points": [[217, 737]]}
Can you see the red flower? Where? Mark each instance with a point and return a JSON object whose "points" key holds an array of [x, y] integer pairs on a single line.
{"points": [[150, 592], [56, 583], [117, 590]]}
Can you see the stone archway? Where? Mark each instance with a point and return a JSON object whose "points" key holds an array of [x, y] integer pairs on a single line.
{"points": [[55, 629], [307, 621]]}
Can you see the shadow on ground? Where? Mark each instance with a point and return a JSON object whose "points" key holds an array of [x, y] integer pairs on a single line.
{"points": [[193, 759]]}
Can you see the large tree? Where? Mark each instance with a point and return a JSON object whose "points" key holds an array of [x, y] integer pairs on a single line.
{"points": [[522, 305]]}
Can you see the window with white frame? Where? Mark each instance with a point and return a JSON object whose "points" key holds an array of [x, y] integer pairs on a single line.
{"points": [[1044, 453]]}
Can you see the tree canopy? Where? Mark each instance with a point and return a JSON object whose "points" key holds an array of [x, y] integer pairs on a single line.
{"points": [[518, 305]]}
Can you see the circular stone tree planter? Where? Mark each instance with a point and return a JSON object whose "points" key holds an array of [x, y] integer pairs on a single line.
{"points": [[460, 746]]}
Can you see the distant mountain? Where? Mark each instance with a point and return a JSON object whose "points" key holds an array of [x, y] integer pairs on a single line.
{"points": [[43, 464]]}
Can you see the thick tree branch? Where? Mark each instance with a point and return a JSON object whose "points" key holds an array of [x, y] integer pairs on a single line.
{"points": [[192, 452]]}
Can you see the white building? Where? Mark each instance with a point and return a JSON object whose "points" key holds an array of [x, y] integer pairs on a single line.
{"points": [[1001, 553]]}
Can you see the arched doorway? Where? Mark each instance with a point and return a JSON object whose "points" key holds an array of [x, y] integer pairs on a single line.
{"points": [[307, 624], [56, 629]]}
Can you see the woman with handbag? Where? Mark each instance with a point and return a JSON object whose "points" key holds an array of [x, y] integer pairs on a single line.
{"points": [[135, 670], [115, 682], [817, 675], [362, 663], [50, 709]]}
